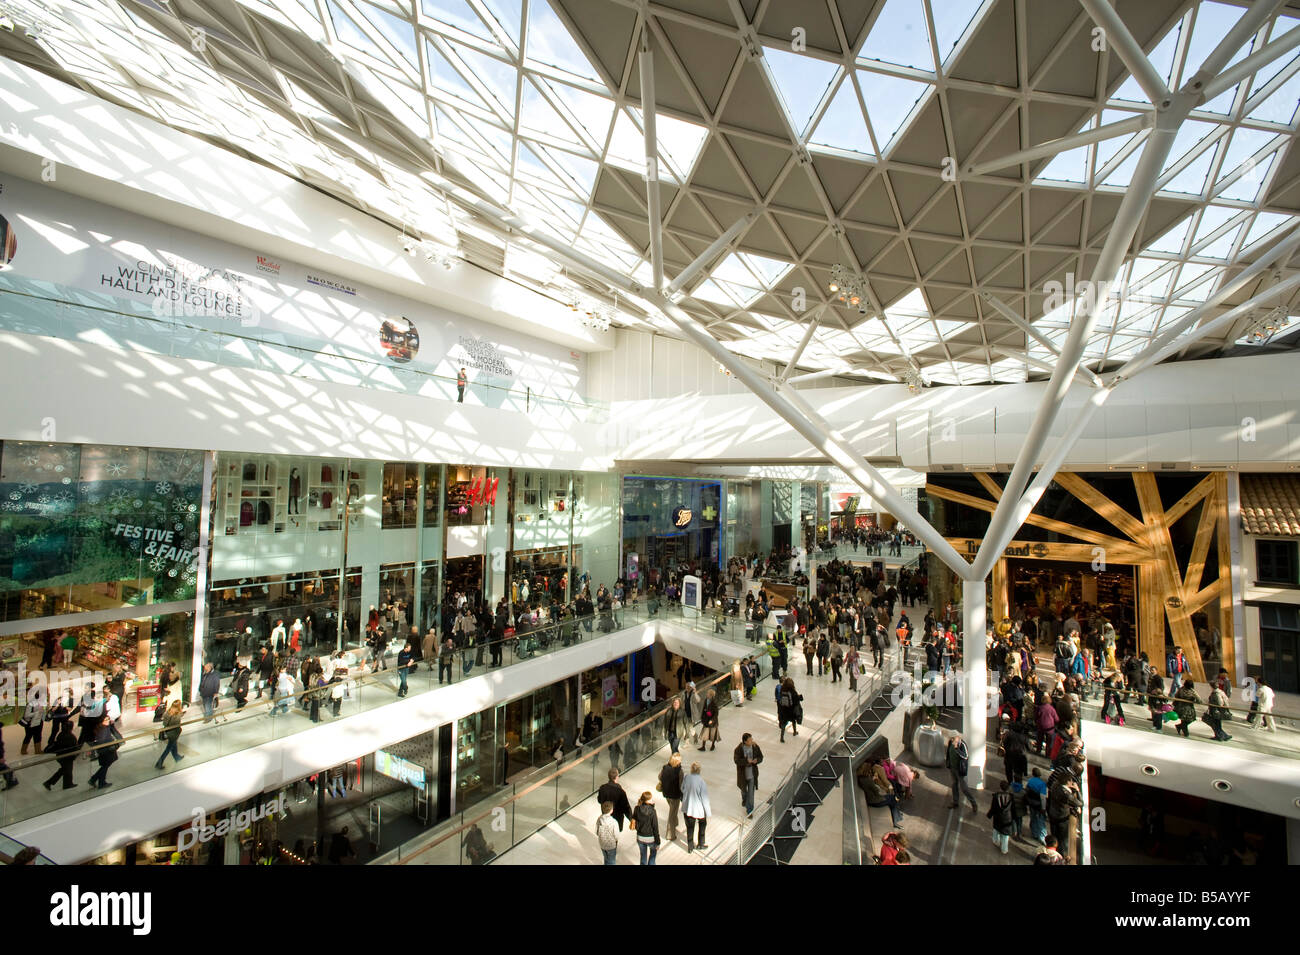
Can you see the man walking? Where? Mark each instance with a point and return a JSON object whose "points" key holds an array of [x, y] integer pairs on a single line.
{"points": [[403, 667], [747, 757], [209, 687], [612, 793], [957, 759]]}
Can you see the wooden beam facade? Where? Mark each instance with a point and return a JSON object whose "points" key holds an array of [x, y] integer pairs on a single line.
{"points": [[1166, 591]]}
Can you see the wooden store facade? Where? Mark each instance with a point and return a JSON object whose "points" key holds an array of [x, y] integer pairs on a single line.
{"points": [[1110, 541]]}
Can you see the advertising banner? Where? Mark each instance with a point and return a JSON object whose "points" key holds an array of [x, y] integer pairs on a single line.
{"points": [[63, 247]]}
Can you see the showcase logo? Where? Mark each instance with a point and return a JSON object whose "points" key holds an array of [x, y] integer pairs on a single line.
{"points": [[76, 908]]}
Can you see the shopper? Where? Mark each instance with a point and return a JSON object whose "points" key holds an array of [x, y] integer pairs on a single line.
{"points": [[878, 790], [1185, 700], [32, 719], [607, 833], [709, 730], [10, 779], [171, 732], [747, 756], [675, 722], [65, 747], [823, 655], [789, 707], [1218, 712], [696, 808], [809, 651], [852, 661], [340, 847], [1002, 812], [239, 681], [265, 667], [105, 750], [645, 823], [209, 687], [837, 660], [1157, 704], [957, 759], [1265, 696], [611, 792], [446, 657], [670, 784], [404, 657], [461, 381]]}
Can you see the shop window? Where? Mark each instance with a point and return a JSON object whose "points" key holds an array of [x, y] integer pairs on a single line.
{"points": [[432, 495], [400, 495], [1275, 562]]}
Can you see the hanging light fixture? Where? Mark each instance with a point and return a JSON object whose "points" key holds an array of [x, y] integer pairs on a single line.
{"points": [[849, 288], [912, 378]]}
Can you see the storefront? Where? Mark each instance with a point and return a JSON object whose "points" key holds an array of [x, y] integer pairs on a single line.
{"points": [[669, 524], [99, 551], [1143, 550], [1270, 519]]}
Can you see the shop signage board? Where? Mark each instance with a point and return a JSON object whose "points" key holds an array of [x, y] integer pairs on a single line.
{"points": [[403, 770], [609, 691], [692, 593]]}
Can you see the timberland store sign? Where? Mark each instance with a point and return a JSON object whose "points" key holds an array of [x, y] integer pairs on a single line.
{"points": [[1085, 553]]}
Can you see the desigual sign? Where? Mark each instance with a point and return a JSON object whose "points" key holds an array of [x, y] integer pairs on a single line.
{"points": [[199, 831]]}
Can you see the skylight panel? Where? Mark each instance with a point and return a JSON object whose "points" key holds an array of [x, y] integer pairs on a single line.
{"points": [[398, 32], [1212, 218], [627, 145], [900, 36], [592, 111], [582, 170], [1122, 175], [1280, 105], [800, 81], [1213, 22], [1162, 58], [768, 270], [1220, 248], [525, 262], [679, 142], [444, 76], [549, 42], [951, 20], [1191, 179], [1246, 187], [1172, 240], [842, 126], [1069, 166], [348, 32], [508, 15], [890, 101], [459, 14], [499, 78], [1265, 224]]}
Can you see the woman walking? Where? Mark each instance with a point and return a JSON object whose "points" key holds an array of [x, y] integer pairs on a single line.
{"points": [[171, 733], [851, 662], [788, 707], [823, 651], [105, 750], [709, 732], [1157, 705], [645, 822], [670, 784], [1111, 711], [809, 650], [695, 806]]}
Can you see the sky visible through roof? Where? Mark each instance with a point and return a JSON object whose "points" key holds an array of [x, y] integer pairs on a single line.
{"points": [[506, 91]]}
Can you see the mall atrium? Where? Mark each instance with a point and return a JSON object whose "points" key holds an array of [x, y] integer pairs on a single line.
{"points": [[427, 421]]}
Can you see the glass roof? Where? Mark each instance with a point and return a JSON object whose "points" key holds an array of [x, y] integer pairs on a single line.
{"points": [[453, 74]]}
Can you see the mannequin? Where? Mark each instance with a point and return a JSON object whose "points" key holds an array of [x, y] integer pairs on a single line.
{"points": [[295, 490]]}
